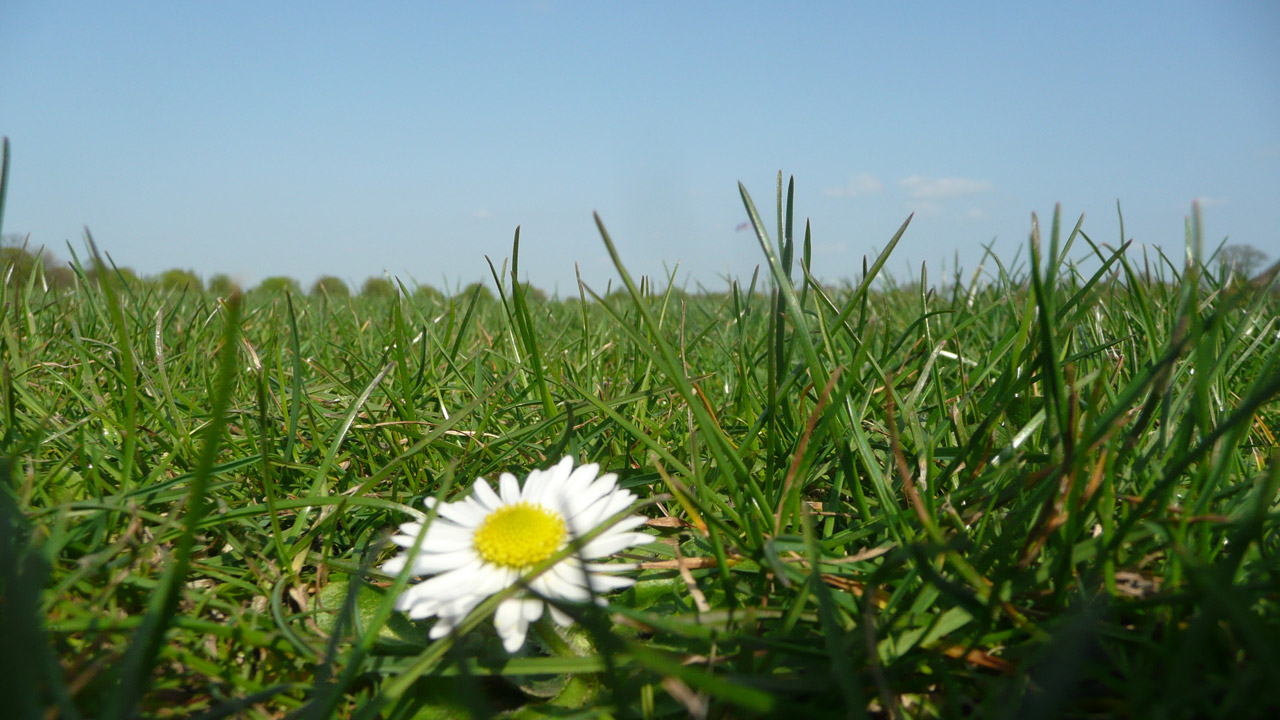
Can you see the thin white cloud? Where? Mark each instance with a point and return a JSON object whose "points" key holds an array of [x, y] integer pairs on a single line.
{"points": [[863, 184], [1207, 201], [974, 213], [482, 214], [931, 188], [925, 207]]}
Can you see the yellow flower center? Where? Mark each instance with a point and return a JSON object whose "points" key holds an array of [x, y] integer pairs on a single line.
{"points": [[518, 536]]}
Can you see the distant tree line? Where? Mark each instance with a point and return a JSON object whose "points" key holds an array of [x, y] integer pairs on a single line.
{"points": [[21, 265]]}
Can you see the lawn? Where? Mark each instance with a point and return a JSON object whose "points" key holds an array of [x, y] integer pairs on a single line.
{"points": [[1027, 490]]}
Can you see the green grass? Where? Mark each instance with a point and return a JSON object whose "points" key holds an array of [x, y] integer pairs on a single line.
{"points": [[1022, 492]]}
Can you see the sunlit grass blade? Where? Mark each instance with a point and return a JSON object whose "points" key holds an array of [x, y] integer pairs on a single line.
{"points": [[735, 471], [135, 669]]}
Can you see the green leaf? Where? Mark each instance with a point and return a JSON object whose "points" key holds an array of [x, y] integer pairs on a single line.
{"points": [[398, 632]]}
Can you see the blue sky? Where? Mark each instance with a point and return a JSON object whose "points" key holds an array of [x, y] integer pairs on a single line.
{"points": [[303, 139]]}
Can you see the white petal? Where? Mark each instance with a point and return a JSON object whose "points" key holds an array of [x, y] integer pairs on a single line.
{"points": [[577, 481], [563, 581], [429, 563], [531, 610], [463, 513], [491, 579], [507, 615], [395, 564], [477, 506], [558, 615], [535, 487], [484, 495], [404, 541], [619, 528], [447, 584], [591, 493], [628, 522], [444, 526], [611, 567], [586, 518], [617, 502], [416, 605], [551, 484], [561, 470], [422, 612], [514, 640], [608, 583], [509, 488], [461, 606], [512, 621], [604, 484], [443, 537], [610, 543]]}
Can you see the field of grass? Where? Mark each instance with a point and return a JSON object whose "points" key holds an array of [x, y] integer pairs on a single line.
{"points": [[1023, 492]]}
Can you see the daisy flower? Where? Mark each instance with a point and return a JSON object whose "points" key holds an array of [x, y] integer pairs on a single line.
{"points": [[483, 543]]}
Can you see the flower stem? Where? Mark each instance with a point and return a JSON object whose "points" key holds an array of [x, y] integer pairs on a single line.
{"points": [[551, 637]]}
